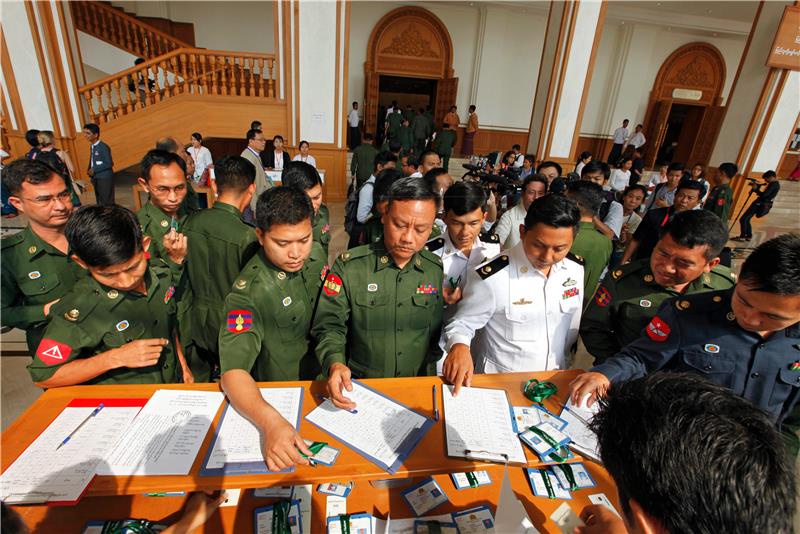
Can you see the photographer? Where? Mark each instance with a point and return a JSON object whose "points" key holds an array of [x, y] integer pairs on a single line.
{"points": [[760, 206]]}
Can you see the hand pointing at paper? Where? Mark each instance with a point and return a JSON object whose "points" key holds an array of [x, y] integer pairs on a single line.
{"points": [[339, 381]]}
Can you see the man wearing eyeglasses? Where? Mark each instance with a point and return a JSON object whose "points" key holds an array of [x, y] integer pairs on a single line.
{"points": [[36, 271]]}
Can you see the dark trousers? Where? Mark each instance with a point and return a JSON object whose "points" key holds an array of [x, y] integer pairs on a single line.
{"points": [[104, 191], [445, 161], [614, 155], [355, 137], [746, 229]]}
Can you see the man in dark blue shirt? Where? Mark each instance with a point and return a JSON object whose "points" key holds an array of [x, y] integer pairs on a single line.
{"points": [[760, 206]]}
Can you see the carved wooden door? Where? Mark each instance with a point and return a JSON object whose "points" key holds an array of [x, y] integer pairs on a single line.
{"points": [[656, 129], [446, 92], [707, 135], [371, 101]]}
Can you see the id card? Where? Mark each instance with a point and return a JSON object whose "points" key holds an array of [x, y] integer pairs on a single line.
{"points": [[528, 416], [424, 497], [475, 520], [582, 477], [422, 527], [326, 456], [358, 524], [539, 445], [462, 480], [263, 519], [274, 492], [566, 519], [340, 490], [545, 484], [602, 500]]}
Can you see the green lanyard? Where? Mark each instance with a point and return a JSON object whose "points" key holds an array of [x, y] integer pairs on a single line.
{"points": [[134, 526], [538, 392], [344, 519], [434, 527], [314, 448], [280, 517], [567, 470], [555, 456], [472, 479], [547, 484]]}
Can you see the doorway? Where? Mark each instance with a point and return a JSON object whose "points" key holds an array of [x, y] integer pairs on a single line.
{"points": [[414, 92], [683, 125]]}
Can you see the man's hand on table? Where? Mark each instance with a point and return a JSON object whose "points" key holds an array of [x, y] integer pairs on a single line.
{"points": [[458, 367], [199, 508], [591, 385], [339, 381], [600, 520], [282, 444]]}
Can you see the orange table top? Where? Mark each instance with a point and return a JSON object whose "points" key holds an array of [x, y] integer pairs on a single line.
{"points": [[429, 457]]}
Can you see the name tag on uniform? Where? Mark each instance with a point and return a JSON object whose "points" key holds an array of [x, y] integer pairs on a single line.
{"points": [[644, 303], [34, 275]]}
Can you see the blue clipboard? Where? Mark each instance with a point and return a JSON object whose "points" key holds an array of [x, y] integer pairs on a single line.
{"points": [[406, 448], [243, 468]]}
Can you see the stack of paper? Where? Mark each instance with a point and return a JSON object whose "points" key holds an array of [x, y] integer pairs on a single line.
{"points": [[584, 441]]}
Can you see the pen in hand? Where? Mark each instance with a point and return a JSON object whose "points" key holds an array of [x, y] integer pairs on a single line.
{"points": [[71, 434]]}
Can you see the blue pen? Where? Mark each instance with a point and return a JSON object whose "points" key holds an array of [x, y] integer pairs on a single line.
{"points": [[323, 397], [435, 405], [94, 413]]}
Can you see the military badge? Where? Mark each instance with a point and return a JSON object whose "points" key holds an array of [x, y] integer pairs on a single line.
{"points": [[658, 330], [240, 321], [602, 298], [332, 285]]}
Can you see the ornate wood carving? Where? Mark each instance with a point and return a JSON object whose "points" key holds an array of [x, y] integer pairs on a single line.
{"points": [[696, 67], [410, 42]]}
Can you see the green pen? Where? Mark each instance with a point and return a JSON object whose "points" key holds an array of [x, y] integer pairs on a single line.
{"points": [[454, 283]]}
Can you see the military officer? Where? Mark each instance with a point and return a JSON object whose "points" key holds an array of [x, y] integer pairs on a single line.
{"points": [[380, 310], [526, 302], [684, 261], [720, 199], [746, 338], [405, 137], [301, 174], [363, 160], [117, 326], [36, 270], [164, 178], [219, 245], [444, 143], [393, 123]]}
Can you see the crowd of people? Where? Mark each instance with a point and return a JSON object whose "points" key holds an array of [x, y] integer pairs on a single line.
{"points": [[440, 277]]}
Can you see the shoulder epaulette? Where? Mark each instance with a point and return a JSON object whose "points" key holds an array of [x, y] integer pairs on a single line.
{"points": [[700, 302], [434, 244], [491, 267], [574, 257], [724, 272], [78, 303], [628, 268], [355, 252], [431, 257], [489, 238], [245, 278], [12, 240]]}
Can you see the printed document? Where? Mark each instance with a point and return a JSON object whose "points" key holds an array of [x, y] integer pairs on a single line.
{"points": [[584, 441]]}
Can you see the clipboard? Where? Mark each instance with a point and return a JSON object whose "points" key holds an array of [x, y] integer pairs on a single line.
{"points": [[406, 447]]}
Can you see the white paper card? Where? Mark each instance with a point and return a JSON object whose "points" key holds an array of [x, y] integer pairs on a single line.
{"points": [[566, 519], [603, 500], [584, 441]]}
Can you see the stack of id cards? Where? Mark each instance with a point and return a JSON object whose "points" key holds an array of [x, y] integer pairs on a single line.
{"points": [[546, 440], [524, 417], [557, 481], [472, 479], [424, 497], [263, 519], [475, 520]]}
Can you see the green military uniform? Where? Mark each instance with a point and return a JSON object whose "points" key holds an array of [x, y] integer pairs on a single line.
{"points": [[156, 224], [395, 121], [34, 273], [443, 145], [421, 132], [595, 250], [408, 114], [191, 202], [406, 138], [627, 300], [373, 231], [219, 246], [363, 162], [429, 117], [378, 319], [321, 227], [719, 201], [268, 314], [92, 319]]}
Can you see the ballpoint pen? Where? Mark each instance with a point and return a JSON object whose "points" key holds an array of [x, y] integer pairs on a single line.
{"points": [[435, 405], [93, 414]]}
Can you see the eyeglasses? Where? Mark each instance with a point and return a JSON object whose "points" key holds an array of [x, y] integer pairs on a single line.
{"points": [[64, 196]]}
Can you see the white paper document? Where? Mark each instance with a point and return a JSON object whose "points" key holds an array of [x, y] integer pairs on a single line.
{"points": [[379, 427], [584, 441], [166, 435], [239, 441], [478, 425], [45, 473], [511, 516]]}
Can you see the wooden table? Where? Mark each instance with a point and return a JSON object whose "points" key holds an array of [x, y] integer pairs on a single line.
{"points": [[109, 497]]}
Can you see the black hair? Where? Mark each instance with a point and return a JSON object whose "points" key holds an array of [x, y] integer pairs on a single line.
{"points": [[234, 173], [531, 158], [412, 161], [625, 120], [104, 235], [472, 107], [283, 205], [395, 147], [382, 158], [553, 210], [303, 143], [535, 177], [411, 189], [546, 164], [585, 154], [697, 228], [139, 61], [300, 174], [635, 187], [729, 169], [22, 170], [507, 154], [431, 176], [688, 183], [595, 166], [198, 136], [675, 166], [427, 153], [768, 174], [255, 125], [383, 182], [675, 443], [367, 136], [92, 127], [252, 132], [162, 158], [621, 161], [354, 102], [464, 197], [587, 195], [445, 125], [167, 144], [10, 521], [774, 266], [515, 147], [32, 137], [276, 137]]}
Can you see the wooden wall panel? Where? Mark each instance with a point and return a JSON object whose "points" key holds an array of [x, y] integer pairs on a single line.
{"points": [[489, 140], [598, 146]]}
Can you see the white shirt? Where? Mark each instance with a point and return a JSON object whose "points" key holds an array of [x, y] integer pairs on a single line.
{"points": [[637, 140], [202, 159], [579, 167], [389, 111], [613, 218], [415, 174], [365, 200], [519, 160], [278, 160], [654, 180], [529, 322], [353, 119], [618, 181], [508, 226], [620, 135], [308, 159]]}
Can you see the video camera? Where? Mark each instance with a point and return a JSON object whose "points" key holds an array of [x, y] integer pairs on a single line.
{"points": [[503, 183]]}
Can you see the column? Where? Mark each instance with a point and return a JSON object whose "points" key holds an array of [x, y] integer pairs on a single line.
{"points": [[571, 41]]}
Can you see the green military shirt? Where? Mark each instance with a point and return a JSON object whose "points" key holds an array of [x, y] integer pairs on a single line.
{"points": [[156, 224], [594, 248], [92, 319], [219, 246], [445, 140], [373, 231], [627, 300], [363, 162], [395, 121], [406, 138], [378, 319], [322, 228], [719, 201], [34, 273], [268, 315]]}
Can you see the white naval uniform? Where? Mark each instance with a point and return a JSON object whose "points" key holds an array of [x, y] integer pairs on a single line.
{"points": [[456, 266], [529, 323]]}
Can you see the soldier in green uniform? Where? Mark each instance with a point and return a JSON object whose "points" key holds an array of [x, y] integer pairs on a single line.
{"points": [[405, 137], [118, 325], [393, 123], [36, 270], [720, 199], [363, 160], [219, 245], [408, 113], [590, 245], [380, 312], [421, 130], [684, 261], [305, 177], [444, 143], [268, 314]]}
